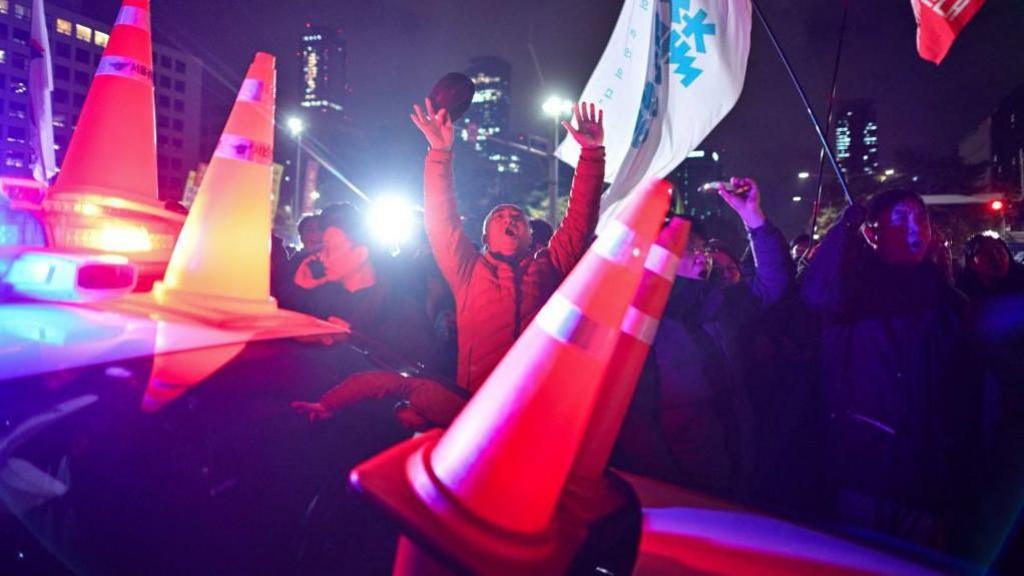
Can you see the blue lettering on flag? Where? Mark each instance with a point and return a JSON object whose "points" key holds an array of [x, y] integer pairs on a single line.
{"points": [[684, 62], [686, 26], [697, 28]]}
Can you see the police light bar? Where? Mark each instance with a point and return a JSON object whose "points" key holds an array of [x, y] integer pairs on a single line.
{"points": [[66, 277]]}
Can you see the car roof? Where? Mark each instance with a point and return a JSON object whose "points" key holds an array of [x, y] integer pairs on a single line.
{"points": [[40, 337]]}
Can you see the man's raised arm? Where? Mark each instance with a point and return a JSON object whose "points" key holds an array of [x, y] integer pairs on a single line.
{"points": [[570, 240], [454, 252]]}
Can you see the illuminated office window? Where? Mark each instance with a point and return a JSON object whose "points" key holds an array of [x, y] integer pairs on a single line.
{"points": [[22, 12], [63, 27], [5, 6], [101, 39], [83, 33], [3, 56]]}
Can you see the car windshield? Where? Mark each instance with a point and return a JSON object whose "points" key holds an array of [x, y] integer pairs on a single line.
{"points": [[145, 465]]}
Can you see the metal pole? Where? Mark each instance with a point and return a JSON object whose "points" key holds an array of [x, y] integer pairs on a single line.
{"points": [[1020, 171], [807, 104], [298, 177], [816, 209], [553, 185]]}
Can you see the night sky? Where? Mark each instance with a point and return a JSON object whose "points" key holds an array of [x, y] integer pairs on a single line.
{"points": [[397, 48]]}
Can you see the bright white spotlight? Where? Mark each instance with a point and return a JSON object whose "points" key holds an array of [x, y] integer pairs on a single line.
{"points": [[296, 125], [803, 175], [392, 220], [557, 107]]}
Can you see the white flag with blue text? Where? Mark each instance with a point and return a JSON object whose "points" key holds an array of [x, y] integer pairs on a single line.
{"points": [[671, 71], [40, 85]]}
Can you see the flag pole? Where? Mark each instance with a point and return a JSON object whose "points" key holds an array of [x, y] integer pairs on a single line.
{"points": [[807, 105], [816, 209]]}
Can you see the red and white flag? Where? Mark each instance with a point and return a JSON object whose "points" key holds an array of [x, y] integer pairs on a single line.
{"points": [[938, 24]]}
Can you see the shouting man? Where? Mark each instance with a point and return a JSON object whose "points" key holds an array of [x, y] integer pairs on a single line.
{"points": [[499, 290]]}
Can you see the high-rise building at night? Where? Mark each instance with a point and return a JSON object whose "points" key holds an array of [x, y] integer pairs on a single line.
{"points": [[998, 144], [322, 107], [324, 70], [1008, 142], [76, 44], [489, 114], [856, 138]]}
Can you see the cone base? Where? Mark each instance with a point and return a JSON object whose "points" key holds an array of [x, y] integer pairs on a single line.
{"points": [[212, 304], [399, 481]]}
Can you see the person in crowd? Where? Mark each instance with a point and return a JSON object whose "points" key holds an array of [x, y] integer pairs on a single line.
{"points": [[344, 285], [800, 247], [499, 290], [700, 353], [422, 403], [342, 280], [995, 285], [989, 269], [900, 408], [279, 266], [311, 233], [542, 233], [282, 275], [725, 267]]}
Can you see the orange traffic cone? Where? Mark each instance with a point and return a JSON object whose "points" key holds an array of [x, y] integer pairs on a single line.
{"points": [[113, 150], [486, 492], [222, 258], [507, 456], [638, 330]]}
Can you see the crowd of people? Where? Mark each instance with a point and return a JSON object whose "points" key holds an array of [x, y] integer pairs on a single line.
{"points": [[861, 381]]}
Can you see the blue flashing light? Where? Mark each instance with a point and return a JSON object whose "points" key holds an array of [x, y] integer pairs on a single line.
{"points": [[57, 276]]}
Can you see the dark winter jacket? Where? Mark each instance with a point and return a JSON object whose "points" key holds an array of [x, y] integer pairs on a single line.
{"points": [[900, 407], [700, 356]]}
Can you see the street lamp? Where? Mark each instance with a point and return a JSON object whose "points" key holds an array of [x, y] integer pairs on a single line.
{"points": [[296, 126], [556, 108]]}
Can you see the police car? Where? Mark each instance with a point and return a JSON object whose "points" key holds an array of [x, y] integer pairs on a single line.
{"points": [[140, 438]]}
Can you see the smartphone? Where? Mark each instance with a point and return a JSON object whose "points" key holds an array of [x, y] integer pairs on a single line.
{"points": [[727, 186], [316, 268]]}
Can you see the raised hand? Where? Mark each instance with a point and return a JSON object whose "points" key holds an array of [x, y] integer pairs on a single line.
{"points": [[589, 131], [745, 200], [313, 411], [436, 126], [304, 276]]}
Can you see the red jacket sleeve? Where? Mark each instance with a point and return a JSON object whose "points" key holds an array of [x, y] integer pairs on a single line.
{"points": [[430, 399], [454, 252], [574, 233]]}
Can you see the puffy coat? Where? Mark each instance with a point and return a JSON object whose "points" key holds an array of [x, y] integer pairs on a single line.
{"points": [[901, 396], [495, 299]]}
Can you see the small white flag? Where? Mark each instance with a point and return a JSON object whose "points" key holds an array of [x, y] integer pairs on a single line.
{"points": [[40, 85], [671, 71]]}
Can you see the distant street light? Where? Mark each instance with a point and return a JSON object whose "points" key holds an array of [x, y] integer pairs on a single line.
{"points": [[296, 126], [890, 172], [803, 175], [557, 108], [798, 198]]}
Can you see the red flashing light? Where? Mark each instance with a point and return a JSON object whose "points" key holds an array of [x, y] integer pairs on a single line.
{"points": [[996, 205]]}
